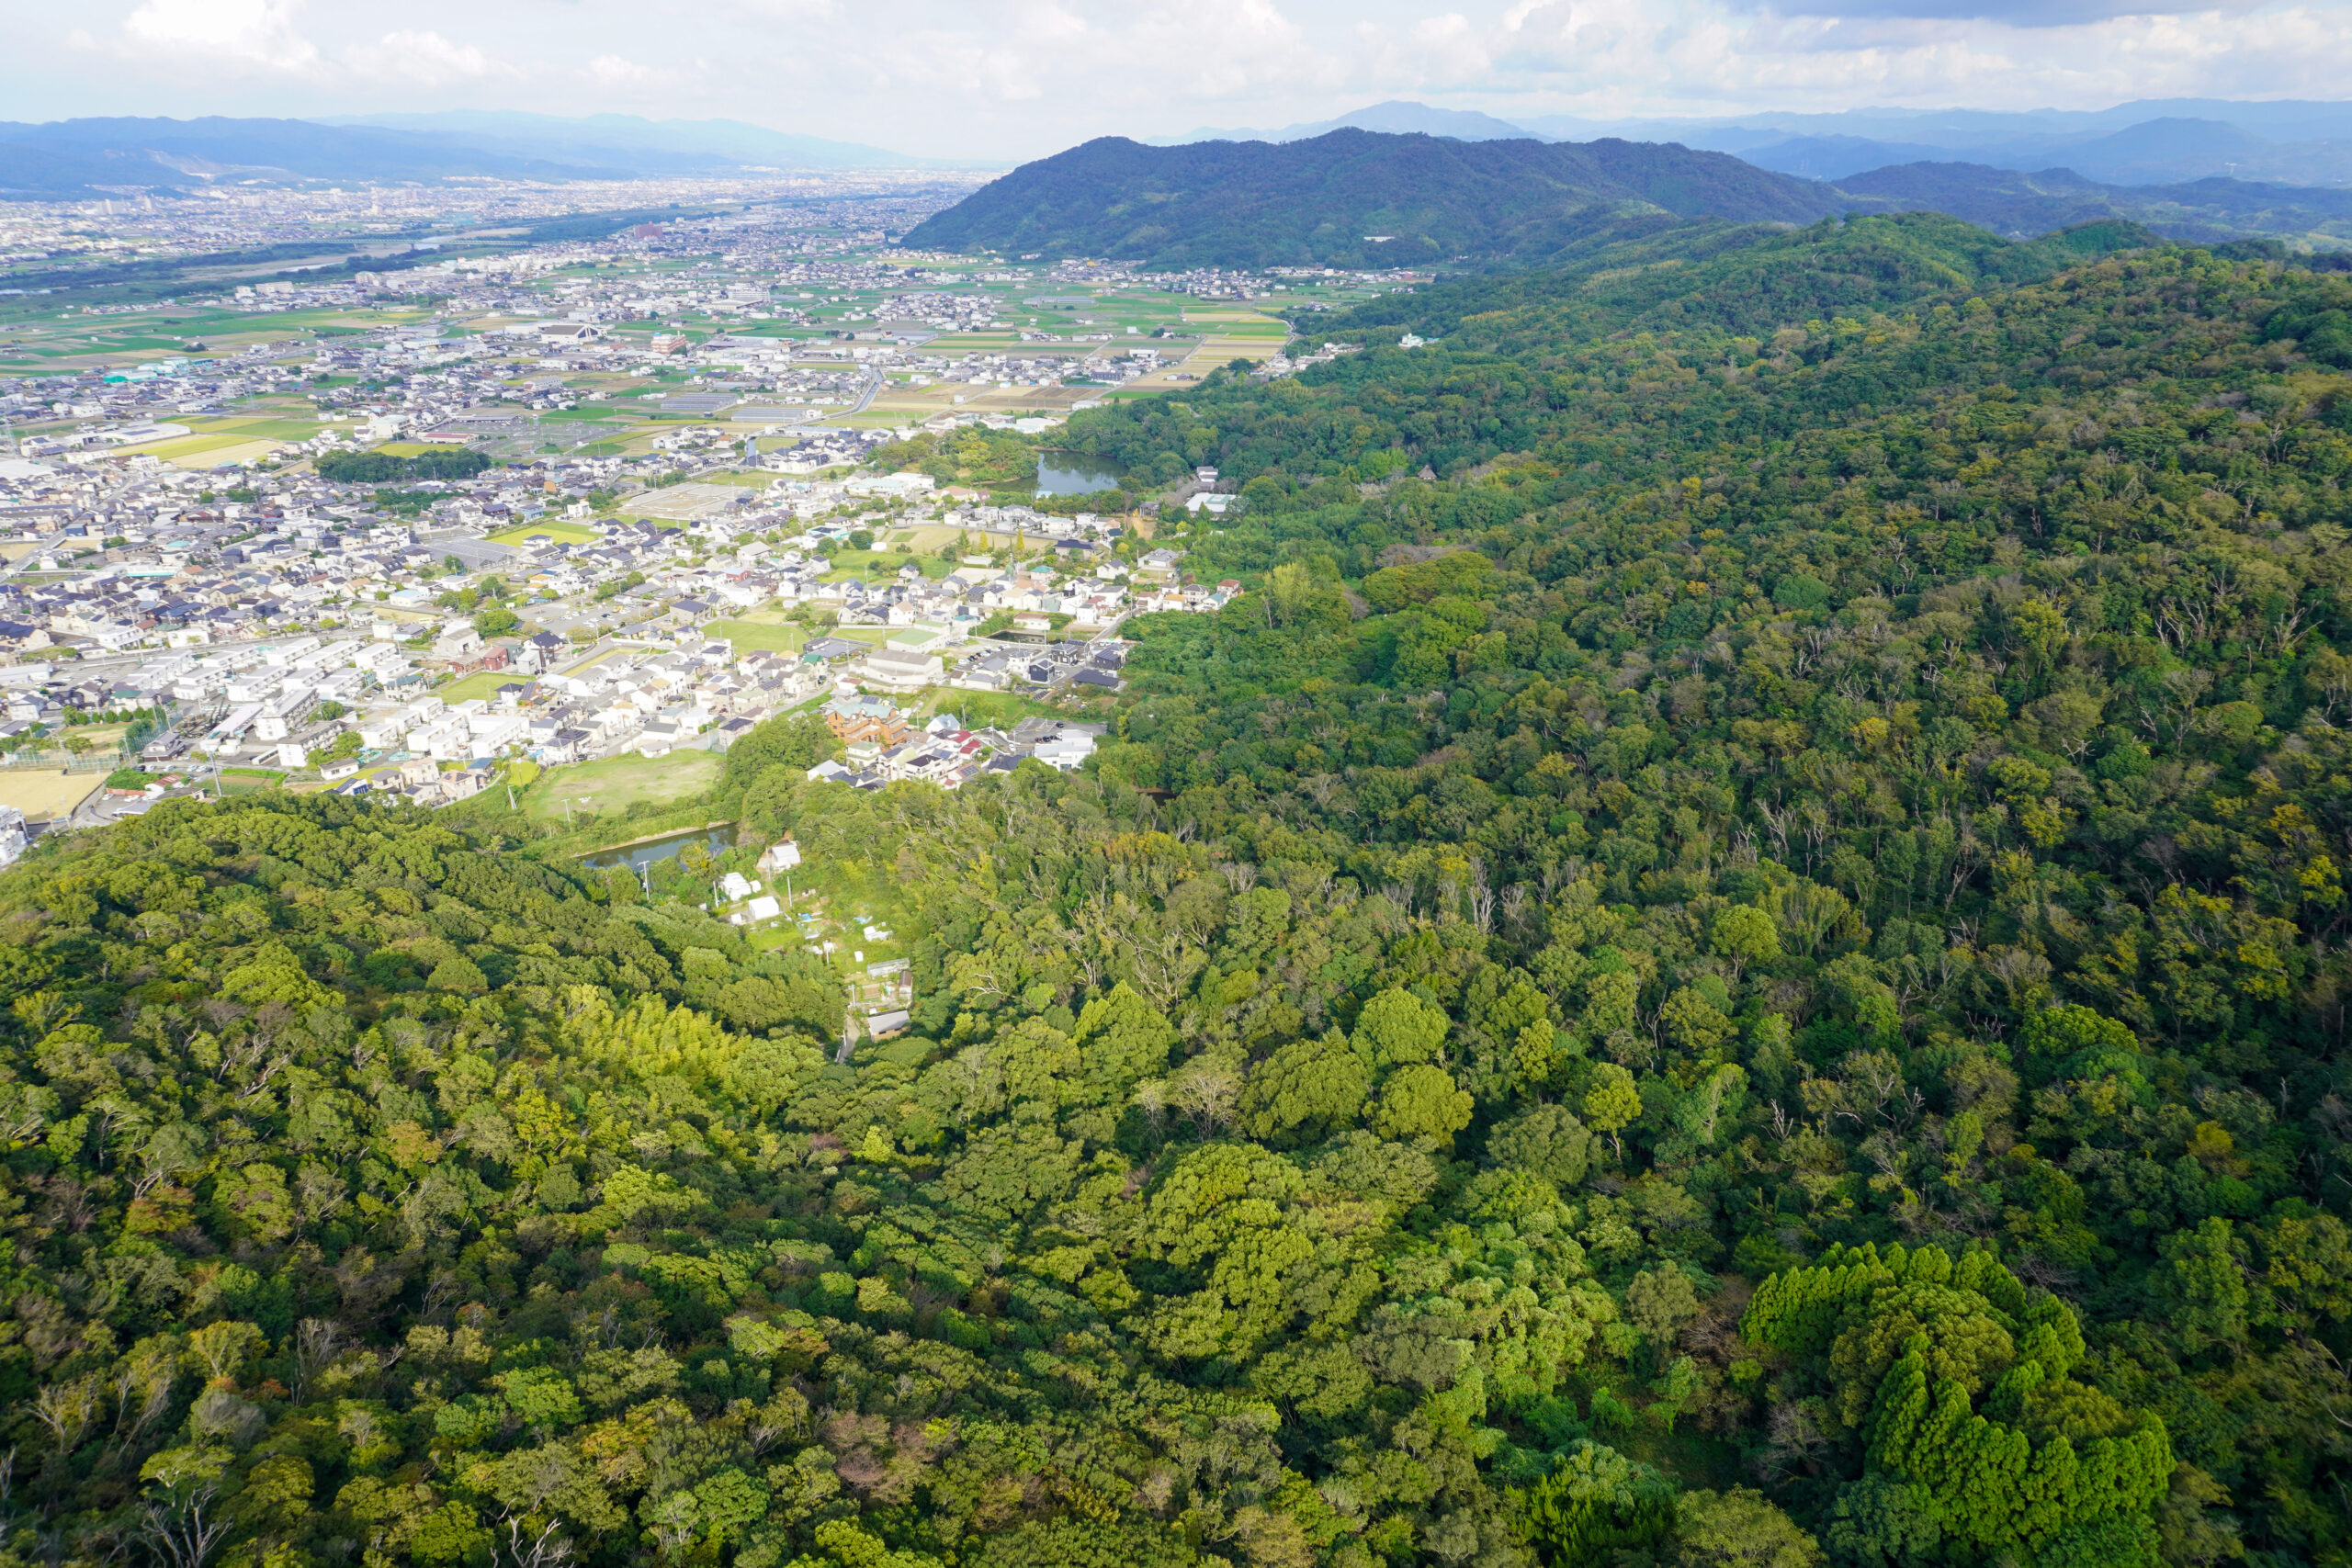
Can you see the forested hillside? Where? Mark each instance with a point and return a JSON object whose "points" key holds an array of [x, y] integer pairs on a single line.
{"points": [[1366, 199], [1735, 955], [2207, 210], [1358, 199]]}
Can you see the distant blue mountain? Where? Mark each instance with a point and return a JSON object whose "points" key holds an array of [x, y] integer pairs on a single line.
{"points": [[73, 158], [2156, 142], [79, 157], [1395, 117], [658, 145]]}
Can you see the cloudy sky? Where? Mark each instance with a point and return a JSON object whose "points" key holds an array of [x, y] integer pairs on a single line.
{"points": [[1011, 78]]}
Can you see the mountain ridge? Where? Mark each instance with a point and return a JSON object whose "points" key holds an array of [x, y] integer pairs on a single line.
{"points": [[1359, 198], [1354, 197], [731, 142], [1393, 117], [79, 158]]}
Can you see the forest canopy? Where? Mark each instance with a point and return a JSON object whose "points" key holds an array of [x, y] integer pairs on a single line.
{"points": [[391, 468], [1735, 954]]}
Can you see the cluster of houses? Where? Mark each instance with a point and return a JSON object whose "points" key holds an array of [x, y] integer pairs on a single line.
{"points": [[267, 616], [881, 745]]}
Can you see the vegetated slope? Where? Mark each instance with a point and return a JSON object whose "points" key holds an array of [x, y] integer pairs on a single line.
{"points": [[1935, 638], [1255, 204], [2024, 204], [1740, 278], [1780, 994]]}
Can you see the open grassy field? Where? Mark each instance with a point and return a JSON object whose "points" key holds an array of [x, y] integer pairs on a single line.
{"points": [[45, 797], [1003, 709], [565, 533], [618, 783], [879, 564], [753, 637], [932, 538], [485, 686], [249, 780]]}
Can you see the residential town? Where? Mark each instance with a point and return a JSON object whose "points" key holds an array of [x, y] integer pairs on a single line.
{"points": [[302, 627], [638, 501]]}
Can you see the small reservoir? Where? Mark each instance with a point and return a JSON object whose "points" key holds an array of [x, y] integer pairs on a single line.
{"points": [[1072, 473], [637, 857]]}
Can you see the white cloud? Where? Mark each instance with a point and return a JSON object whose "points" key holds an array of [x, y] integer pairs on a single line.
{"points": [[990, 77], [1088, 55], [248, 33], [262, 35], [616, 71], [1701, 56], [423, 60]]}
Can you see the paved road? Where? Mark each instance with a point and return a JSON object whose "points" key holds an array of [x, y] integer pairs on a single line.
{"points": [[875, 381]]}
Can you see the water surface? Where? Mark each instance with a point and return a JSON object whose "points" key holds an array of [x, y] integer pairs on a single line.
{"points": [[1068, 473], [637, 857]]}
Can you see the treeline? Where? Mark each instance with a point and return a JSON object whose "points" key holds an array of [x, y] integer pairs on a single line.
{"points": [[388, 467]]}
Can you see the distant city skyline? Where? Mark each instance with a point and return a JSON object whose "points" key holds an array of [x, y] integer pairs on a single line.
{"points": [[1019, 78]]}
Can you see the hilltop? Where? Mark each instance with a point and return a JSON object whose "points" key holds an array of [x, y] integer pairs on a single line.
{"points": [[1363, 198], [1358, 199]]}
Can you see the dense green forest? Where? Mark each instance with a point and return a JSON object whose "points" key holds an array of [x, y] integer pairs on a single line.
{"points": [[389, 468], [1735, 955]]}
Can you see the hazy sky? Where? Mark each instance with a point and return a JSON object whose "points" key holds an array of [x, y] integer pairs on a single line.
{"points": [[1003, 78]]}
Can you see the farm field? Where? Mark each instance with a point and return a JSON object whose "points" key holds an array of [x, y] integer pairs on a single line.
{"points": [[281, 429], [232, 449], [180, 446]]}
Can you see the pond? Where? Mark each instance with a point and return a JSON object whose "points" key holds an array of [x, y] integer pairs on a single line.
{"points": [[637, 857], [1069, 473]]}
